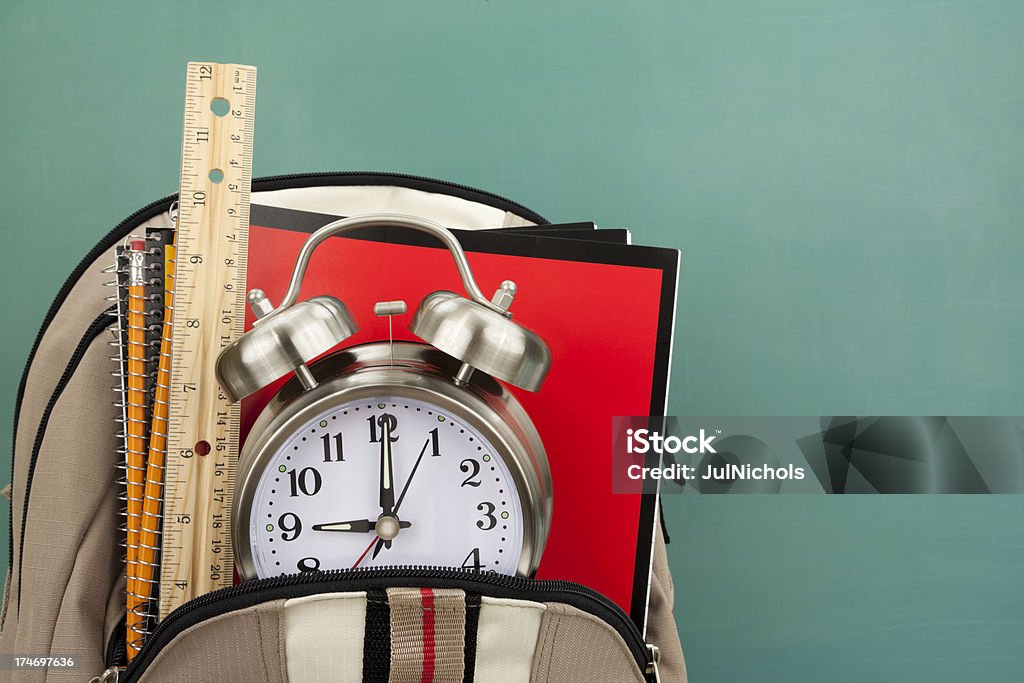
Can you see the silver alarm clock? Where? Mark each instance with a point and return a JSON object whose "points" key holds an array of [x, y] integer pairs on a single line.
{"points": [[389, 453]]}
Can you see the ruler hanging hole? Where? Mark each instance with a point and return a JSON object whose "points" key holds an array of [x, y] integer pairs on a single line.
{"points": [[202, 448], [216, 175], [220, 106]]}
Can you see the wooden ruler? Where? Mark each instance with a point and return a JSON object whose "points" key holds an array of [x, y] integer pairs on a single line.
{"points": [[209, 313]]}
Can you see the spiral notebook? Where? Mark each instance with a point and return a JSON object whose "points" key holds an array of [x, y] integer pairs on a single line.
{"points": [[139, 307]]}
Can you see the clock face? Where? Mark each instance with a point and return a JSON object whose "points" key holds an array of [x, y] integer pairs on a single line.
{"points": [[385, 481]]}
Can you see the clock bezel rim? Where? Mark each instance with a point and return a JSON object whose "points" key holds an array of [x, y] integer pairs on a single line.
{"points": [[419, 372]]}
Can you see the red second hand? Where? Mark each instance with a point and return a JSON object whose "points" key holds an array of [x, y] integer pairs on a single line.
{"points": [[365, 552]]}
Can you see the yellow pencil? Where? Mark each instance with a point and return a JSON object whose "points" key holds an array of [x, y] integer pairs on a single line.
{"points": [[135, 410], [149, 537]]}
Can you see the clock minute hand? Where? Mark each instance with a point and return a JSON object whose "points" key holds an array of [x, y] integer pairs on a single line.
{"points": [[387, 479], [401, 496], [387, 472]]}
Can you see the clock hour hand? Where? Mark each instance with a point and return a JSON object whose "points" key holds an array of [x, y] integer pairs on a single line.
{"points": [[356, 526]]}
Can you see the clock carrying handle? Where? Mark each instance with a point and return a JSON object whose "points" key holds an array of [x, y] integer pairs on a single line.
{"points": [[380, 220]]}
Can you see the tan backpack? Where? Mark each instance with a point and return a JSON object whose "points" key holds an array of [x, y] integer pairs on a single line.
{"points": [[64, 591]]}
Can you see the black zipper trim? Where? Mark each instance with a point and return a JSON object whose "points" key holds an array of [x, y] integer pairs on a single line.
{"points": [[255, 592], [102, 322], [117, 645], [265, 184]]}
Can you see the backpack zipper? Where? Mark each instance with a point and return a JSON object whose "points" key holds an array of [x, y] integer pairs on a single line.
{"points": [[265, 184], [117, 653], [110, 675], [258, 591]]}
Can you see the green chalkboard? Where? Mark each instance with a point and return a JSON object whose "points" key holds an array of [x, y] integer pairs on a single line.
{"points": [[843, 178]]}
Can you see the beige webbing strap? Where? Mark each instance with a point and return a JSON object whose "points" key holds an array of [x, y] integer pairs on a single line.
{"points": [[428, 635]]}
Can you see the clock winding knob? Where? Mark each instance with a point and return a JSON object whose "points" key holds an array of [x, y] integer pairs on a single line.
{"points": [[504, 295]]}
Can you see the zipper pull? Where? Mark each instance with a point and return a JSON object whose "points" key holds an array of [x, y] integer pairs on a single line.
{"points": [[109, 676], [652, 666]]}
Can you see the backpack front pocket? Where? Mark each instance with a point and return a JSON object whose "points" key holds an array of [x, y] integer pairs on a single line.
{"points": [[396, 624]]}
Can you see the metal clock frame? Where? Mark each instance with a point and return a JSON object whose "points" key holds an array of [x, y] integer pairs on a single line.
{"points": [[416, 371]]}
